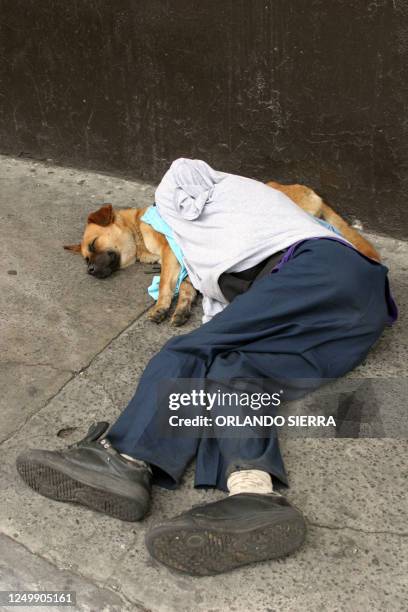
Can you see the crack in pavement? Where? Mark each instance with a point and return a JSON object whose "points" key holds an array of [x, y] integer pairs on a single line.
{"points": [[74, 375], [401, 534]]}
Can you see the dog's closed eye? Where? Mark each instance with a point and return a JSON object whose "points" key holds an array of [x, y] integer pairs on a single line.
{"points": [[91, 246]]}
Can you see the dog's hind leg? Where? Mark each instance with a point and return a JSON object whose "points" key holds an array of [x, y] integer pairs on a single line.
{"points": [[187, 295]]}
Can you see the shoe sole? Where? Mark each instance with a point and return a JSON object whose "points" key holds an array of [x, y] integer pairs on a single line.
{"points": [[205, 551], [57, 485]]}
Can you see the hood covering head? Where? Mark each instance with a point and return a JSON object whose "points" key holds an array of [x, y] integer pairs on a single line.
{"points": [[194, 186]]}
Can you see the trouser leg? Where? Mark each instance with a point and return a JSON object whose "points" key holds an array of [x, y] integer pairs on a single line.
{"points": [[315, 319]]}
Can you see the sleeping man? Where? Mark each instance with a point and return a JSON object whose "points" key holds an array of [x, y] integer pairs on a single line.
{"points": [[287, 304]]}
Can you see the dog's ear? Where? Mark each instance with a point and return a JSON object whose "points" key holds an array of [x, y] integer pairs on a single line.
{"points": [[74, 248], [104, 216]]}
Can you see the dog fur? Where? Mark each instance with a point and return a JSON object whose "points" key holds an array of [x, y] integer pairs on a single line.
{"points": [[116, 239]]}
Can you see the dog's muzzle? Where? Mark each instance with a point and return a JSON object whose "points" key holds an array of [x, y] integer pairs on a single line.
{"points": [[104, 264]]}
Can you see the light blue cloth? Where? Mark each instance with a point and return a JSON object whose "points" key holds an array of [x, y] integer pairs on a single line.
{"points": [[152, 217], [328, 226]]}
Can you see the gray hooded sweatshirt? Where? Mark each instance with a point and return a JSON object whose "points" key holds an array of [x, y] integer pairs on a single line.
{"points": [[227, 223]]}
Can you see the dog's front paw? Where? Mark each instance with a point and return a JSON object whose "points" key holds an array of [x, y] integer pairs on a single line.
{"points": [[157, 314], [149, 258], [180, 317]]}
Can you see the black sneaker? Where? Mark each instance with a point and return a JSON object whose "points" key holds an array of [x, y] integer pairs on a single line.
{"points": [[91, 473], [237, 530]]}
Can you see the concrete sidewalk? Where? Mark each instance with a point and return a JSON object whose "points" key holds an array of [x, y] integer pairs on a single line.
{"points": [[72, 351]]}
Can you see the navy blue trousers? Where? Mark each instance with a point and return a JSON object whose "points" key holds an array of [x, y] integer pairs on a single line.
{"points": [[315, 318]]}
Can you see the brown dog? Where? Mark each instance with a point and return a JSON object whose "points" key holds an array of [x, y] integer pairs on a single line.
{"points": [[115, 239]]}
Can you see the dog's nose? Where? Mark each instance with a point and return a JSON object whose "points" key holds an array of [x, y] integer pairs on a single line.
{"points": [[91, 269]]}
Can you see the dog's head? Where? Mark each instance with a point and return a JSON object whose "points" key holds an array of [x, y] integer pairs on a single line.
{"points": [[108, 243]]}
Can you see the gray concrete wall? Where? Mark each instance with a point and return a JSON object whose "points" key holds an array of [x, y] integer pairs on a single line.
{"points": [[304, 90]]}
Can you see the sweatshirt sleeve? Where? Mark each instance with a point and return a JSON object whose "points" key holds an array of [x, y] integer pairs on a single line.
{"points": [[211, 307]]}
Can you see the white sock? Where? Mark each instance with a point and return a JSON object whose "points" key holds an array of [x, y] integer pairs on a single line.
{"points": [[249, 481], [129, 458], [133, 460]]}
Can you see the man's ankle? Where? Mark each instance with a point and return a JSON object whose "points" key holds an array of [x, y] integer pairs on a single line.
{"points": [[135, 461], [249, 481]]}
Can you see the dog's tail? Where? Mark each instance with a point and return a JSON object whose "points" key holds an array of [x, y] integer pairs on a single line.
{"points": [[349, 233], [312, 203]]}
